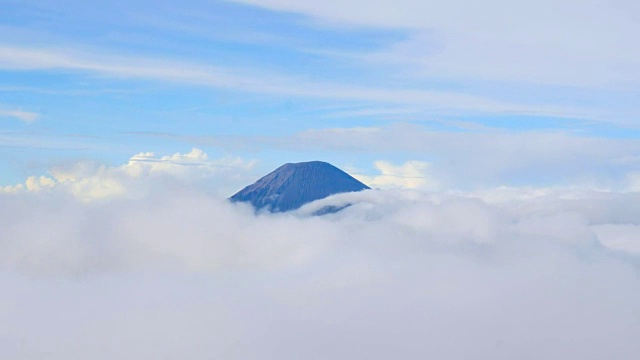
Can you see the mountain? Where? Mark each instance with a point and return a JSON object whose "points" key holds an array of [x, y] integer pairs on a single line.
{"points": [[292, 185]]}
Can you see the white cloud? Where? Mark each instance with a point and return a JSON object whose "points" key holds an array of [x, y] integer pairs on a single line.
{"points": [[399, 274], [88, 181], [166, 269], [22, 115], [584, 43], [257, 81], [624, 237], [481, 158], [410, 175]]}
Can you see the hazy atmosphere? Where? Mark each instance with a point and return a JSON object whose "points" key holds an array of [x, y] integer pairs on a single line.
{"points": [[500, 139]]}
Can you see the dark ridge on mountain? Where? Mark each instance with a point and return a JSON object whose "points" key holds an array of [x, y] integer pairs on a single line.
{"points": [[292, 185]]}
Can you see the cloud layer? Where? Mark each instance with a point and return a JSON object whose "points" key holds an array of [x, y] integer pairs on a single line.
{"points": [[576, 43], [461, 158], [178, 272], [176, 71]]}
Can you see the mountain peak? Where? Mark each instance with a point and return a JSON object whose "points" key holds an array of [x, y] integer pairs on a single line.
{"points": [[294, 184]]}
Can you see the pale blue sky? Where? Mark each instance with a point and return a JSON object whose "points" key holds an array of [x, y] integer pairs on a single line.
{"points": [[501, 138], [503, 94]]}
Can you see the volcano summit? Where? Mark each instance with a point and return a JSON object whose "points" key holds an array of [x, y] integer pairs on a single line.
{"points": [[292, 185]]}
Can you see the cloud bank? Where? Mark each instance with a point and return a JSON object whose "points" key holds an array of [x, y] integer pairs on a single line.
{"points": [[178, 272], [88, 181]]}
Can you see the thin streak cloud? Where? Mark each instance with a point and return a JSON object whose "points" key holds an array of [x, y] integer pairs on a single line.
{"points": [[22, 115], [250, 80]]}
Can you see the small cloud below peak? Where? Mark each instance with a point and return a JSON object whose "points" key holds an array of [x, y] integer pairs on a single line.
{"points": [[411, 174]]}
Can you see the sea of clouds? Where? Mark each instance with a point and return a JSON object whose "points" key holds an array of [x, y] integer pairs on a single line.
{"points": [[142, 262]]}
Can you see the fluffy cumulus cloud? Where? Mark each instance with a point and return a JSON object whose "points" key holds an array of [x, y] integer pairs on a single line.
{"points": [[182, 273], [410, 175], [89, 181]]}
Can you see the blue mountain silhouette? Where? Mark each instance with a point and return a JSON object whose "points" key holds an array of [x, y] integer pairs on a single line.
{"points": [[292, 185]]}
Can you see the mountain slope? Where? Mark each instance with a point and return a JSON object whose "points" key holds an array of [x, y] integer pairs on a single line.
{"points": [[292, 185]]}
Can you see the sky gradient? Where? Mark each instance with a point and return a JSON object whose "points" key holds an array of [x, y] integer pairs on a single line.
{"points": [[500, 139], [528, 94]]}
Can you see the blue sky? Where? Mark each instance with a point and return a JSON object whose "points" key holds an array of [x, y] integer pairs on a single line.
{"points": [[491, 95], [501, 138]]}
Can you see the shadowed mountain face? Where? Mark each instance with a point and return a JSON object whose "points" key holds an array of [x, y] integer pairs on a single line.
{"points": [[292, 185]]}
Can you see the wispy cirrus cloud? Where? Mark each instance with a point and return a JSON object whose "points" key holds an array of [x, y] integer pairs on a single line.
{"points": [[575, 43], [22, 115], [253, 80]]}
